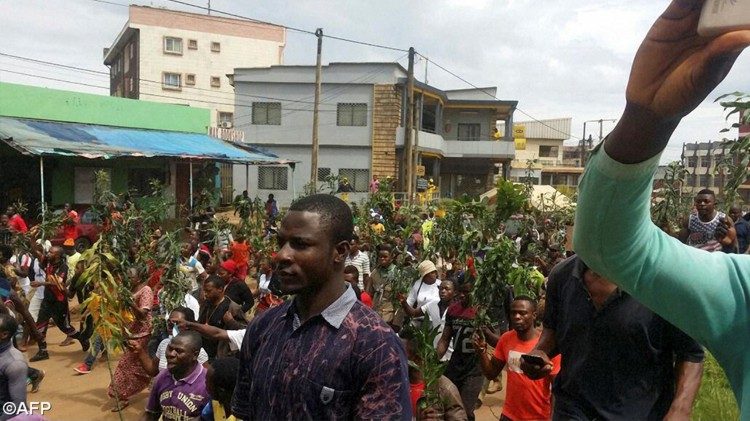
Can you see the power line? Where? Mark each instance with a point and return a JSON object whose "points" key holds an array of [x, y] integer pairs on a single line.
{"points": [[143, 93], [103, 73], [55, 79], [304, 31], [495, 97], [369, 44]]}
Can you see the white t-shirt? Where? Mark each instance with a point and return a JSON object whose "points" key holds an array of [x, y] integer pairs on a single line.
{"points": [[235, 339], [263, 283], [25, 261], [362, 262], [39, 276], [438, 320], [161, 354], [422, 293], [189, 302], [192, 267]]}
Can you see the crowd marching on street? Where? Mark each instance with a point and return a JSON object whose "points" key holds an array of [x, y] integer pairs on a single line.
{"points": [[335, 310]]}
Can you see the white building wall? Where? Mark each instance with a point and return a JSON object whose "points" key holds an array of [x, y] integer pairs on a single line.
{"points": [[335, 158], [532, 153], [202, 62], [297, 117]]}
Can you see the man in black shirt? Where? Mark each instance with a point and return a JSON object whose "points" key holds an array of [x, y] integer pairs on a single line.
{"points": [[221, 312], [55, 303], [620, 361]]}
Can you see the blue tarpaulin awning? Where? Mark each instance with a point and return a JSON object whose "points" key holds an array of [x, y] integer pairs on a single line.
{"points": [[53, 138]]}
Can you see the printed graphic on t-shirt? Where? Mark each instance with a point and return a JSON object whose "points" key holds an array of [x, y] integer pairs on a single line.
{"points": [[514, 361]]}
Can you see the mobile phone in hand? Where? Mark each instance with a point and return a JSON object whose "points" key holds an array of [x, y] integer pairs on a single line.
{"points": [[721, 16], [533, 360]]}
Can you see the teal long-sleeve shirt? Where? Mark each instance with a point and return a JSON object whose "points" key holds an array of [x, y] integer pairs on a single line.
{"points": [[707, 295]]}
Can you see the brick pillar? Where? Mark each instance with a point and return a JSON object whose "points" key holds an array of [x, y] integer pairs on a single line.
{"points": [[386, 116]]}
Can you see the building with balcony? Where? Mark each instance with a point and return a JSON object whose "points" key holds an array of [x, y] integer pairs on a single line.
{"points": [[540, 153], [362, 128], [177, 57]]}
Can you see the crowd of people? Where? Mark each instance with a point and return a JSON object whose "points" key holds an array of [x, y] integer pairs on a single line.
{"points": [[319, 326]]}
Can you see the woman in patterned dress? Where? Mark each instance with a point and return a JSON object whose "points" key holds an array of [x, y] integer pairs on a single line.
{"points": [[130, 377]]}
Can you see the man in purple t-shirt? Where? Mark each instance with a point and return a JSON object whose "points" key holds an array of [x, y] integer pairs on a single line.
{"points": [[179, 392]]}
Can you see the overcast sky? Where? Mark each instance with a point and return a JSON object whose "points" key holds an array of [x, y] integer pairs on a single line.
{"points": [[558, 58]]}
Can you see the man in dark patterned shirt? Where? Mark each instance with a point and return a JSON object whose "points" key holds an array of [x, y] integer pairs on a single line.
{"points": [[322, 355]]}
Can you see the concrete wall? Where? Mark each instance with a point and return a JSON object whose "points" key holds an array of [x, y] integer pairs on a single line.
{"points": [[202, 62], [296, 117], [334, 158], [60, 173], [456, 116], [532, 152], [52, 104]]}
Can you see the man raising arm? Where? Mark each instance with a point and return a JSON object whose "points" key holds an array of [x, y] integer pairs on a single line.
{"points": [[704, 294]]}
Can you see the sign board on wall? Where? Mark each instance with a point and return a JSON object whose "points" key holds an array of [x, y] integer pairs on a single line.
{"points": [[420, 170], [519, 136]]}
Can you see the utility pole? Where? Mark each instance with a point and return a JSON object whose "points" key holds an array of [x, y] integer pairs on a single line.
{"points": [[601, 125], [409, 138], [584, 141], [316, 109], [209, 7]]}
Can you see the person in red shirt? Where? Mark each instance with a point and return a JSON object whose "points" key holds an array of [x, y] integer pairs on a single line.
{"points": [[240, 250], [525, 399], [16, 222], [70, 225]]}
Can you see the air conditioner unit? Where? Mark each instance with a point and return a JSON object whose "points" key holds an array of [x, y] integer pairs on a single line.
{"points": [[226, 124]]}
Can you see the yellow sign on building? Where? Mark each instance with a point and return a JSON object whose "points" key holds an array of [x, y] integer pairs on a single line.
{"points": [[420, 170]]}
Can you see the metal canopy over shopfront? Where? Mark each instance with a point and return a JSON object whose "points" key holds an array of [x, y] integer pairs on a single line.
{"points": [[53, 138]]}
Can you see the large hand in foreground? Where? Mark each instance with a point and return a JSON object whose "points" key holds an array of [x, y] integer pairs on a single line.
{"points": [[675, 69]]}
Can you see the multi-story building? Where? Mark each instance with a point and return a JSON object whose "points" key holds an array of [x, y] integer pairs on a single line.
{"points": [[540, 152], [361, 128], [184, 58], [702, 161]]}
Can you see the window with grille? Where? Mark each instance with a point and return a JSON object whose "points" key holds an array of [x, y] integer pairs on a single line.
{"points": [[171, 80], [272, 178], [173, 45], [215, 82], [227, 189], [351, 114], [215, 47], [703, 181], [692, 162], [358, 178], [468, 132], [192, 44], [705, 162], [190, 79], [323, 173], [267, 113]]}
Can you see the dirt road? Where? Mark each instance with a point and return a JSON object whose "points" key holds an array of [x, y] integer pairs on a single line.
{"points": [[75, 397]]}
